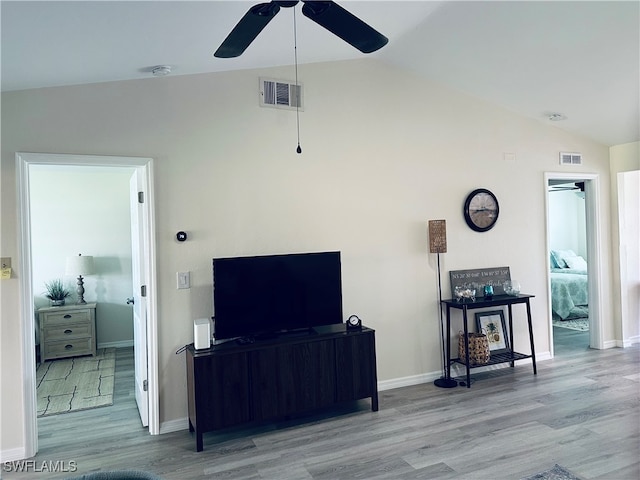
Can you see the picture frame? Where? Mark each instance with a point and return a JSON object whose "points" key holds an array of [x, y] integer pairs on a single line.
{"points": [[494, 326]]}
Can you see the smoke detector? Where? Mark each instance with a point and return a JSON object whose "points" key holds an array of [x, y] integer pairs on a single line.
{"points": [[556, 117], [161, 70]]}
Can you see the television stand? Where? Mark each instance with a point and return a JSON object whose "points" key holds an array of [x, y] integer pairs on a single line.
{"points": [[231, 384]]}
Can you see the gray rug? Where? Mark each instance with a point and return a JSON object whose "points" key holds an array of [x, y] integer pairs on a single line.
{"points": [[77, 383], [555, 473]]}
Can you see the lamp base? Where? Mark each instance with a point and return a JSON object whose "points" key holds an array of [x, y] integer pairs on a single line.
{"points": [[445, 382], [80, 291]]}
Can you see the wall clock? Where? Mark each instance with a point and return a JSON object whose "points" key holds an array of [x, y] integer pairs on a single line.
{"points": [[481, 210]]}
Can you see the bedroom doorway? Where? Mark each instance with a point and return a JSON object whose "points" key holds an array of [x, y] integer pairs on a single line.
{"points": [[573, 258], [143, 168]]}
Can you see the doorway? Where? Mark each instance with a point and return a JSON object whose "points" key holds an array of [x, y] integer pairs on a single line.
{"points": [[573, 261], [143, 169]]}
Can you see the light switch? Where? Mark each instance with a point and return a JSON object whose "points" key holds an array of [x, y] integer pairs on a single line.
{"points": [[6, 268], [184, 280]]}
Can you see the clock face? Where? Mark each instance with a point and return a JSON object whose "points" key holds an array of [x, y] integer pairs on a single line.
{"points": [[481, 210], [353, 320]]}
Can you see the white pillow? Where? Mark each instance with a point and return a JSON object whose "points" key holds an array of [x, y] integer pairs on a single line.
{"points": [[562, 256], [576, 263]]}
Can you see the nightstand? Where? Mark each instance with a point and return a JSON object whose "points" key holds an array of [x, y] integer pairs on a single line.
{"points": [[67, 331]]}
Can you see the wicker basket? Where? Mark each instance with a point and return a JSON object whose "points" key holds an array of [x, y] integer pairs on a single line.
{"points": [[479, 353]]}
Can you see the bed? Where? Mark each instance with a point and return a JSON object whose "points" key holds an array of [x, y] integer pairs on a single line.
{"points": [[569, 292]]}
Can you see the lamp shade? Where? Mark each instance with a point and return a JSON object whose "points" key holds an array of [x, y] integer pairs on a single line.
{"points": [[437, 236], [80, 265]]}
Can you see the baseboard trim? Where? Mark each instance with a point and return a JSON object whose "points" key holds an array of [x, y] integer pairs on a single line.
{"points": [[120, 344], [626, 343], [407, 381], [457, 370], [176, 425], [12, 455]]}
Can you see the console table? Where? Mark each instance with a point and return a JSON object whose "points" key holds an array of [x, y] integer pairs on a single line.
{"points": [[230, 383], [496, 301]]}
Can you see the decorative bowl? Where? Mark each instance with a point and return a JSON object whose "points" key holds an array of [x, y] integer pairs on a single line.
{"points": [[511, 287]]}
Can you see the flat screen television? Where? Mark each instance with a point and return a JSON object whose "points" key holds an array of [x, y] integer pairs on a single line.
{"points": [[272, 294]]}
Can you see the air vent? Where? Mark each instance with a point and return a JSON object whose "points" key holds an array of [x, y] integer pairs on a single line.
{"points": [[280, 94], [567, 158]]}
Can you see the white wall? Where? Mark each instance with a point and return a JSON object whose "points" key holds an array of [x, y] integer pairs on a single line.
{"points": [[567, 222], [85, 210], [625, 205], [384, 151]]}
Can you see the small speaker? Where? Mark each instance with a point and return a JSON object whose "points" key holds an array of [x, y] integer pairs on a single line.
{"points": [[201, 333]]}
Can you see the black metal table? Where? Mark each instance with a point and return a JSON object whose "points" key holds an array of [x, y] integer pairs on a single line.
{"points": [[498, 300]]}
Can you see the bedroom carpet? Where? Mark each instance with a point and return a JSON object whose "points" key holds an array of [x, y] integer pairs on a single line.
{"points": [[581, 324], [556, 473], [78, 383]]}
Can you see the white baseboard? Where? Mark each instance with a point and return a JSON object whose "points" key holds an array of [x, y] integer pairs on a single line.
{"points": [[120, 344], [610, 344], [457, 370], [174, 425], [407, 381], [12, 455]]}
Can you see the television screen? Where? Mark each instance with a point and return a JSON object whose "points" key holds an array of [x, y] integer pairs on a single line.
{"points": [[268, 294]]}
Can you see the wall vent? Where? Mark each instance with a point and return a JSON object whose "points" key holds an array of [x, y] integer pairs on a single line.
{"points": [[568, 158], [280, 94]]}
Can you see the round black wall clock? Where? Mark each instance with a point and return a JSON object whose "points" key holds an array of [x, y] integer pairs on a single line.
{"points": [[481, 210]]}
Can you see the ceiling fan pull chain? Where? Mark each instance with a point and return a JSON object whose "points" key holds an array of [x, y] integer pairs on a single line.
{"points": [[295, 57]]}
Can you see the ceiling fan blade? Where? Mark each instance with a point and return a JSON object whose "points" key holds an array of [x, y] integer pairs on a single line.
{"points": [[345, 25], [247, 30]]}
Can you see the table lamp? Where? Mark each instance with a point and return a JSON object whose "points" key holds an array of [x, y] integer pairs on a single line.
{"points": [[80, 265]]}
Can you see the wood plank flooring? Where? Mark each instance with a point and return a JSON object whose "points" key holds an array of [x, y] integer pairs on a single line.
{"points": [[581, 411]]}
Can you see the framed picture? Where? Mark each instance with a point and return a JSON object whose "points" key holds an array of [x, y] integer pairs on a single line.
{"points": [[493, 324]]}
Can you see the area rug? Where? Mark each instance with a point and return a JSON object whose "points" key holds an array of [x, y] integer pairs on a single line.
{"points": [[581, 324], [78, 383], [555, 473]]}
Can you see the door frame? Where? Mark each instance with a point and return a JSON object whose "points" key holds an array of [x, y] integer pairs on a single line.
{"points": [[27, 310], [594, 246]]}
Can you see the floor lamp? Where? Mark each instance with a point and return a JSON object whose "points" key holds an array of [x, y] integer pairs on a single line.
{"points": [[438, 245]]}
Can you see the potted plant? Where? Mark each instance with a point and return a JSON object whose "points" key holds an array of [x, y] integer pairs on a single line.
{"points": [[56, 292]]}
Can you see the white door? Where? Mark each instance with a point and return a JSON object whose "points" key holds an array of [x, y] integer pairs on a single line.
{"points": [[138, 301]]}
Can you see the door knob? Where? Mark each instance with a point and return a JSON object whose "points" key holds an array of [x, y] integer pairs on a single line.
{"points": [[130, 301]]}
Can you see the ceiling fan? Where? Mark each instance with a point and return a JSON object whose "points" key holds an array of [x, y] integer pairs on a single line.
{"points": [[567, 186], [329, 15]]}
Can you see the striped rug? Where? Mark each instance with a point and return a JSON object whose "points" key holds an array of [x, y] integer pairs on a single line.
{"points": [[77, 383], [581, 324]]}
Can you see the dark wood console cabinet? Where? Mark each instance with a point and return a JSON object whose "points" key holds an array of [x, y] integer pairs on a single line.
{"points": [[231, 384]]}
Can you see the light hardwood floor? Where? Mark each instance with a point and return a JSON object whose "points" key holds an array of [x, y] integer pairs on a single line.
{"points": [[581, 411]]}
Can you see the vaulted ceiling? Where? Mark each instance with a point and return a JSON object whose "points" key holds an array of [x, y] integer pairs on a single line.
{"points": [[578, 59]]}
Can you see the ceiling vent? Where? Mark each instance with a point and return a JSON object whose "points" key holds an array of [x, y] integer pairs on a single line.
{"points": [[280, 94], [568, 158]]}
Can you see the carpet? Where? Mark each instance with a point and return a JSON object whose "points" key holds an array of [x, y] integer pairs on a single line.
{"points": [[581, 324], [555, 473], [77, 383]]}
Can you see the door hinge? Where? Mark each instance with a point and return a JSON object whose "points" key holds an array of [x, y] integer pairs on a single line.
{"points": [[145, 385], [143, 290], [140, 197]]}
